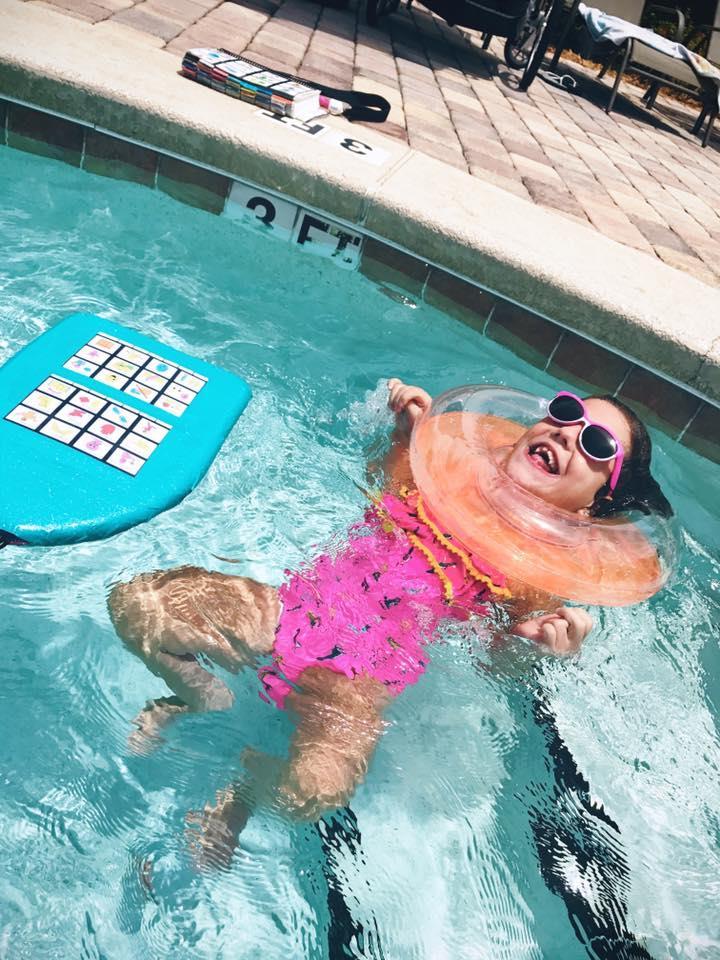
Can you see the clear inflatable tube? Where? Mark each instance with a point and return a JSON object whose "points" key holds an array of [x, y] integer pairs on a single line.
{"points": [[457, 452]]}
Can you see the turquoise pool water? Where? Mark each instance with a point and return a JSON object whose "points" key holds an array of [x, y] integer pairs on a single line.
{"points": [[566, 811]]}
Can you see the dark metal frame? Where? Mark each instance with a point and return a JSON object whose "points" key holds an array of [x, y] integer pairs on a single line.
{"points": [[625, 55]]}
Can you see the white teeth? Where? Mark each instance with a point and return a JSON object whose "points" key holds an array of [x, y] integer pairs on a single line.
{"points": [[547, 455]]}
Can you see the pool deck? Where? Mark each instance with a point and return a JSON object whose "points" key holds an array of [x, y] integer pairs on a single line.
{"points": [[609, 224], [636, 177]]}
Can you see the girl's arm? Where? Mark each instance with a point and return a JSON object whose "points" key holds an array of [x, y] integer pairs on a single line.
{"points": [[407, 403]]}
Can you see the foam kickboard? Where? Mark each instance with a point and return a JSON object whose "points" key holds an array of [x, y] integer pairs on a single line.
{"points": [[102, 428]]}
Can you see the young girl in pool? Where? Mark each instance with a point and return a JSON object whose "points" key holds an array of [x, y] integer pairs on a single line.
{"points": [[349, 631]]}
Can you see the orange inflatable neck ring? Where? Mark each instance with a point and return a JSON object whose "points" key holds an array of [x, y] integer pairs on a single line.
{"points": [[457, 450]]}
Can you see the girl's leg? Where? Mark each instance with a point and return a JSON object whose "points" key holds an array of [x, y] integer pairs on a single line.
{"points": [[339, 722], [168, 618]]}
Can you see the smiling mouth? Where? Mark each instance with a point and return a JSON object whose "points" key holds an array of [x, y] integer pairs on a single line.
{"points": [[543, 457]]}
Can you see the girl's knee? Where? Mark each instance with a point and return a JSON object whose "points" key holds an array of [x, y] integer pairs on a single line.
{"points": [[125, 597], [307, 809], [123, 601], [139, 606], [317, 785], [118, 598], [135, 612]]}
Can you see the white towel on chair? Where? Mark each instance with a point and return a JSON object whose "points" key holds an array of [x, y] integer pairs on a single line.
{"points": [[603, 26]]}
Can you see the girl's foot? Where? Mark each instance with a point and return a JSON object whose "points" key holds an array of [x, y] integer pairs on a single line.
{"points": [[155, 716], [213, 831]]}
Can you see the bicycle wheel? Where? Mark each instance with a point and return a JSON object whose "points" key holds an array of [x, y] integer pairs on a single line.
{"points": [[379, 8], [517, 49], [552, 10], [514, 54]]}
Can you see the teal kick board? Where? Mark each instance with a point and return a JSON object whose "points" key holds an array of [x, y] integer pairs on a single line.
{"points": [[102, 428]]}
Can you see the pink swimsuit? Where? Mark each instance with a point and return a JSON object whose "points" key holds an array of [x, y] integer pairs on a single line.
{"points": [[373, 606]]}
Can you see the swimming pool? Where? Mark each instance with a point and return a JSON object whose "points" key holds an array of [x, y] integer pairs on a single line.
{"points": [[508, 813]]}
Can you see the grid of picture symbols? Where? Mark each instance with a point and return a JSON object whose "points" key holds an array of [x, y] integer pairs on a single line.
{"points": [[118, 435], [138, 373]]}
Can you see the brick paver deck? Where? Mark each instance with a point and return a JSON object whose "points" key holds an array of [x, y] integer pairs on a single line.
{"points": [[637, 177]]}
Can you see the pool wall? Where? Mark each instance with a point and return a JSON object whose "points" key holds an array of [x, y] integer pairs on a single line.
{"points": [[562, 297]]}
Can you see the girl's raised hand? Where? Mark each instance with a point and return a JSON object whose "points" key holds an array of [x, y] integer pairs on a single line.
{"points": [[561, 632], [407, 400]]}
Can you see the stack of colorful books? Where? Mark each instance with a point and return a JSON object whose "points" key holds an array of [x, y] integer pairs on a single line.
{"points": [[253, 83]]}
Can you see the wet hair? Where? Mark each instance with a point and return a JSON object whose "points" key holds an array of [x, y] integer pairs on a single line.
{"points": [[636, 488]]}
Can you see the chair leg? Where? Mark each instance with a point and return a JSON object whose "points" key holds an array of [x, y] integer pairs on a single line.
{"points": [[697, 126], [486, 38], [650, 95], [562, 39], [609, 60], [711, 121], [558, 51], [618, 77]]}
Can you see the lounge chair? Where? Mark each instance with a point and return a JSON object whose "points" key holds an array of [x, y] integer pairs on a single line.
{"points": [[629, 10], [660, 68], [669, 72]]}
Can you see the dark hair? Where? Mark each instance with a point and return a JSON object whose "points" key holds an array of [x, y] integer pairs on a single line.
{"points": [[636, 488]]}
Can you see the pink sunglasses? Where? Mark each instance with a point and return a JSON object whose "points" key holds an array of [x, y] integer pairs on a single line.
{"points": [[597, 442]]}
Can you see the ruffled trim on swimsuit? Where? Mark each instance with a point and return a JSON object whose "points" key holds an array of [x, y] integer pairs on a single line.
{"points": [[408, 512]]}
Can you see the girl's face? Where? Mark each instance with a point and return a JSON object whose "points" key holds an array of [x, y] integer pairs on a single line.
{"points": [[548, 461]]}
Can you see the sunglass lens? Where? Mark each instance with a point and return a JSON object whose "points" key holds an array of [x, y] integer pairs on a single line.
{"points": [[598, 443], [565, 409]]}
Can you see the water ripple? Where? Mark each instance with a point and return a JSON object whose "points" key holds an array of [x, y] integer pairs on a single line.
{"points": [[472, 836]]}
